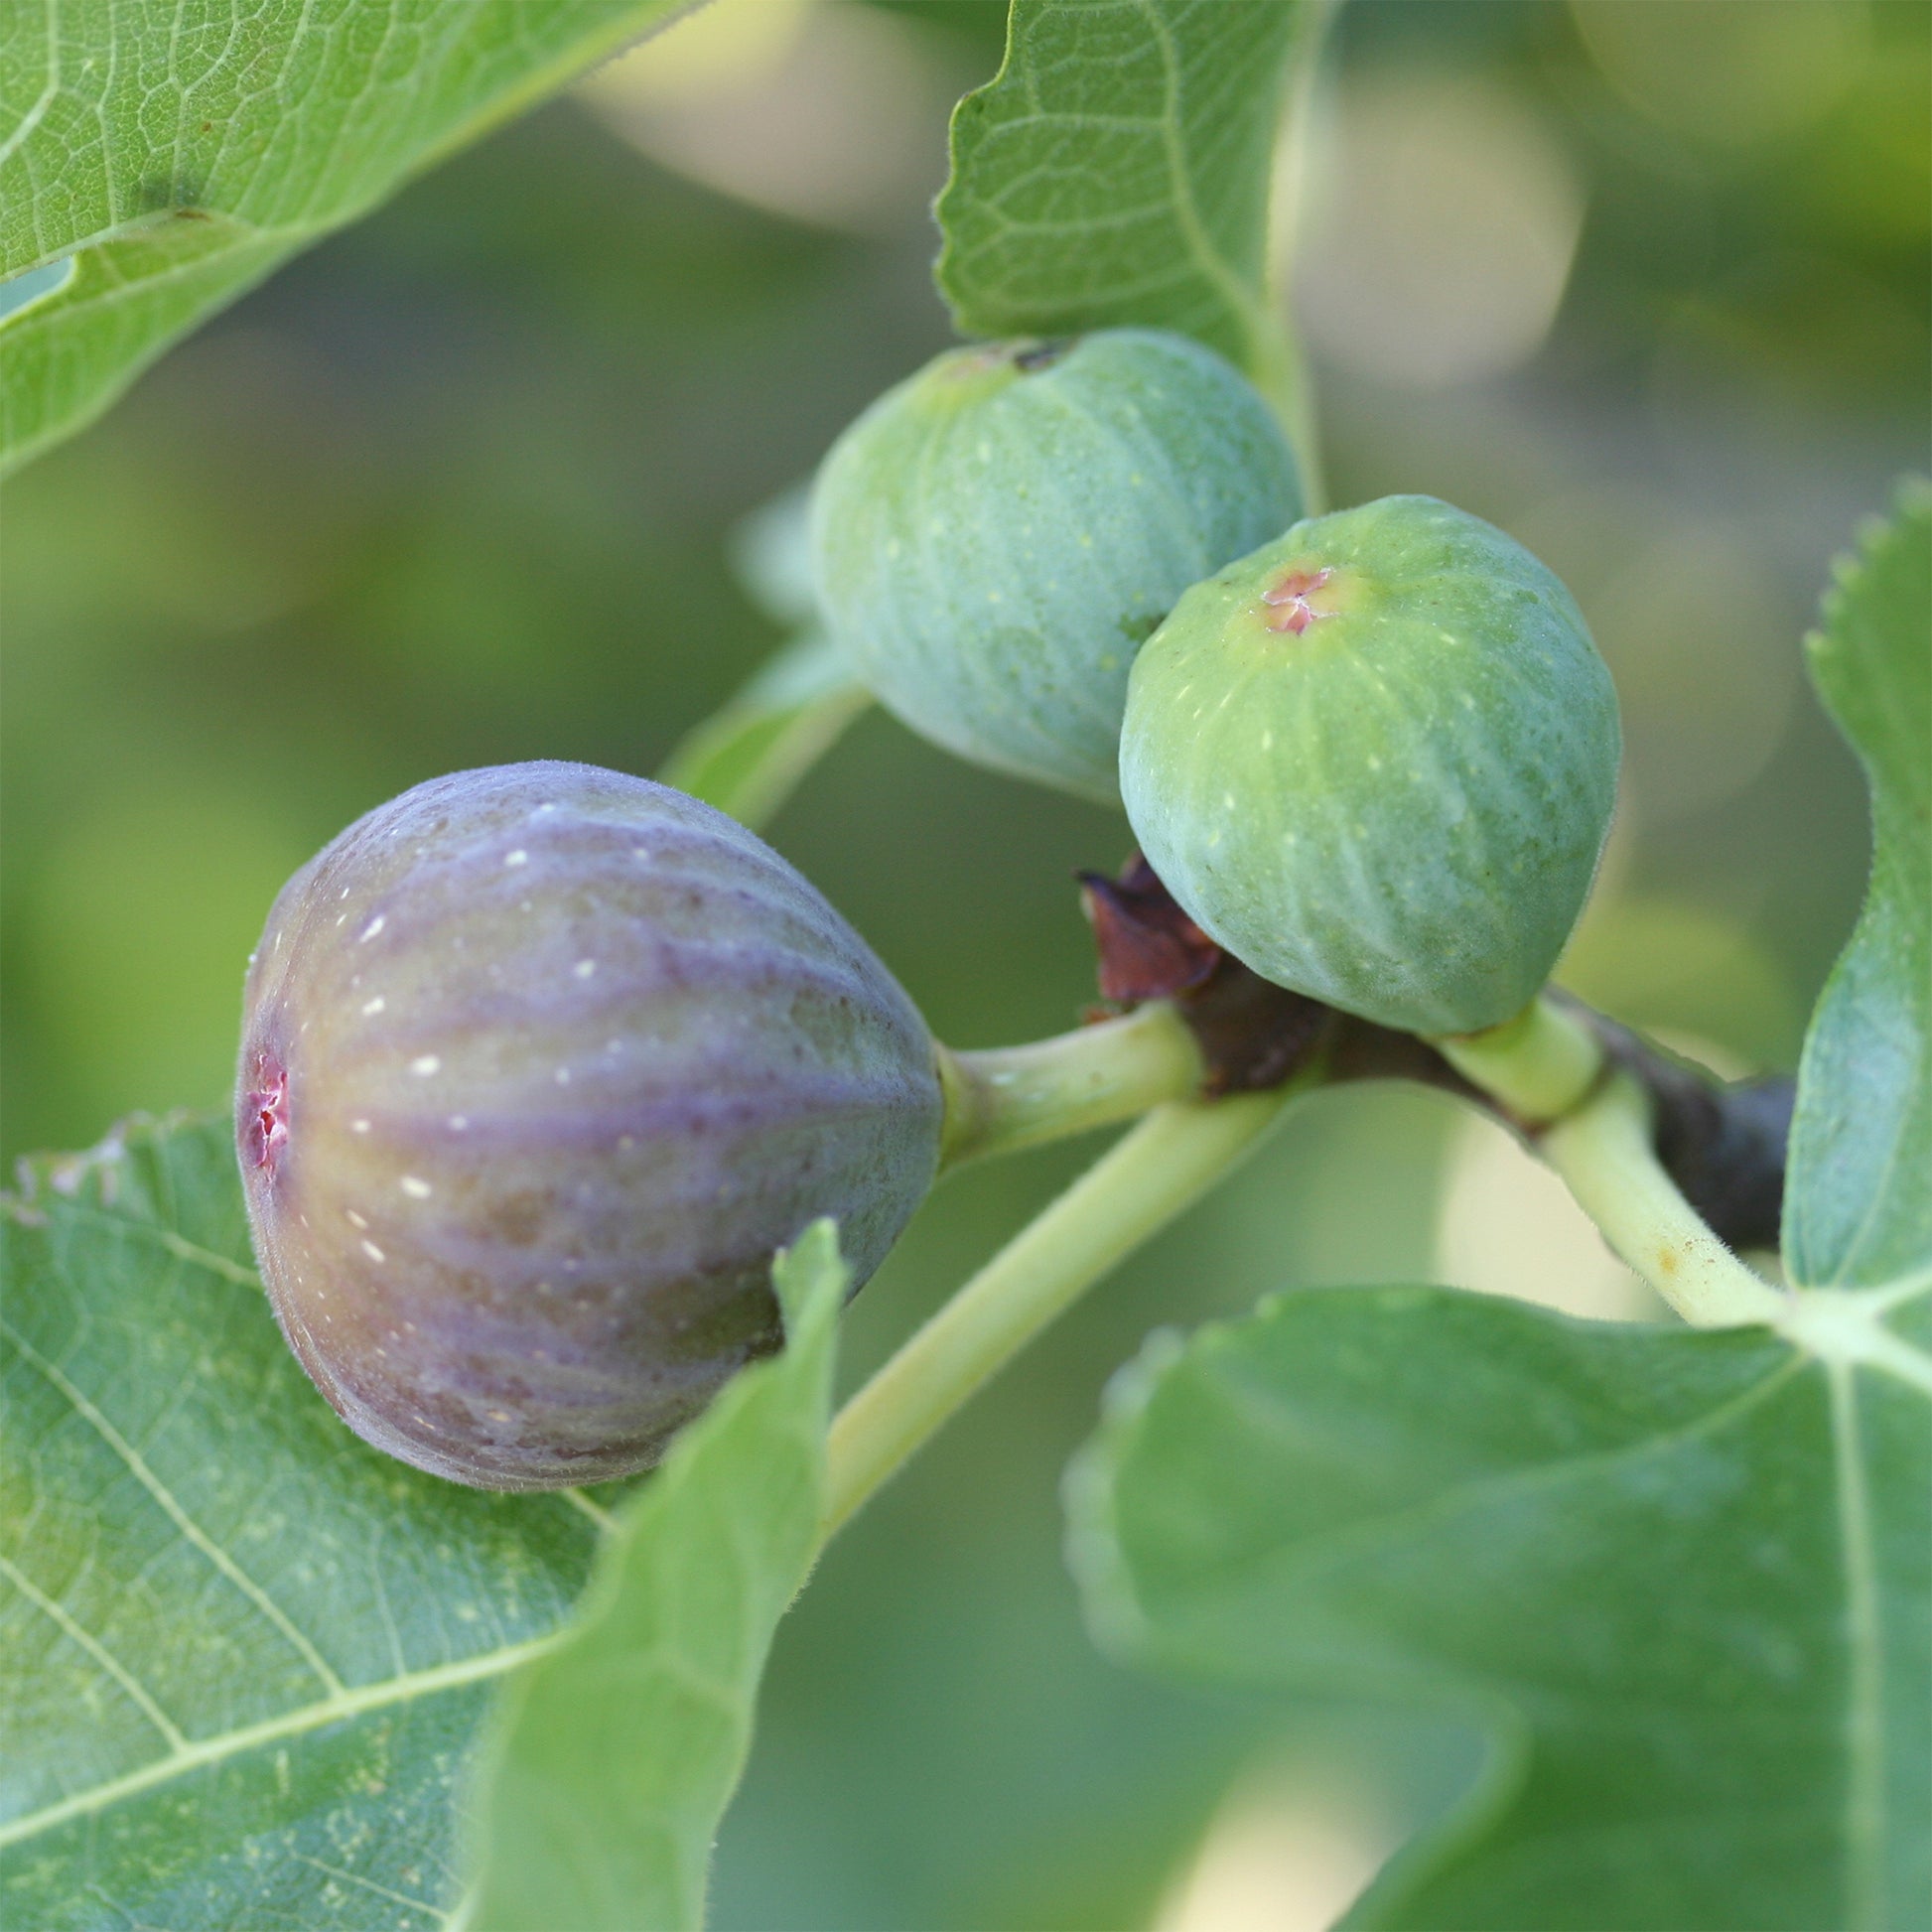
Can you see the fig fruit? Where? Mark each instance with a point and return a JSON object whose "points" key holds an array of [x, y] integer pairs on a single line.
{"points": [[1376, 761], [539, 1065], [995, 537]]}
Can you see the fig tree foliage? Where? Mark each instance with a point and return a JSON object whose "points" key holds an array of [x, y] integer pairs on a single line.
{"points": [[543, 1066]]}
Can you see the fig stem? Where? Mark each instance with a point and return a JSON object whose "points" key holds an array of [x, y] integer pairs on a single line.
{"points": [[1010, 1097], [1539, 1067], [1605, 1153], [1130, 1193]]}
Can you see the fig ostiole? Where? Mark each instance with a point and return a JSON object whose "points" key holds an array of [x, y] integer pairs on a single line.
{"points": [[996, 536], [1376, 761], [539, 1066]]}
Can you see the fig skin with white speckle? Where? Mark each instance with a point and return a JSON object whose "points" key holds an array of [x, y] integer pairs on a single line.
{"points": [[1376, 761], [995, 536], [539, 1065]]}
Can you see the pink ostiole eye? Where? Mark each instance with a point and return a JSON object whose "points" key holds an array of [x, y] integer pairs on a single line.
{"points": [[267, 1112], [1289, 601]]}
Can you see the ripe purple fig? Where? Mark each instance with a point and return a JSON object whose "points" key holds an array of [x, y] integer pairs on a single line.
{"points": [[539, 1065]]}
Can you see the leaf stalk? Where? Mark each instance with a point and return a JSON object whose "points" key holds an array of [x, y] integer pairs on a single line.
{"points": [[1150, 1175]]}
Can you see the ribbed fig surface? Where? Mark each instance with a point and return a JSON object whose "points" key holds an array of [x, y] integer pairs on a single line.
{"points": [[996, 536], [1376, 761], [539, 1065]]}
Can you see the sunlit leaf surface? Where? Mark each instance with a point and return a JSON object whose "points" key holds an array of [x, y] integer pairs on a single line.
{"points": [[1116, 171], [176, 151], [242, 1656]]}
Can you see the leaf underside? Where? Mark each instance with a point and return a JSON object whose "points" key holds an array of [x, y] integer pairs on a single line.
{"points": [[1858, 1198], [179, 150], [243, 1656], [1679, 1579], [618, 1752], [1117, 170]]}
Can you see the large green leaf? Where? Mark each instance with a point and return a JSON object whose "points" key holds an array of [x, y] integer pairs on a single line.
{"points": [[1117, 170], [242, 1655], [1681, 1580], [1859, 1201], [177, 149], [618, 1751]]}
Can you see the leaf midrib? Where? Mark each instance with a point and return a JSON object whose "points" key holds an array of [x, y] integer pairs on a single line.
{"points": [[309, 1716]]}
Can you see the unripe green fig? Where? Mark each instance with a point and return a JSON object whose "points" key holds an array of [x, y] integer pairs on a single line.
{"points": [[539, 1065], [995, 537], [1376, 761]]}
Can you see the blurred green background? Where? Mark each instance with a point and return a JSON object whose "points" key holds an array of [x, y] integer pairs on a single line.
{"points": [[1646, 284]]}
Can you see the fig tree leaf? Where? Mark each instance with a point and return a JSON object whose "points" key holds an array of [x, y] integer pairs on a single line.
{"points": [[1117, 170], [616, 1752], [1858, 1204], [1681, 1580], [747, 757], [243, 1656], [178, 151]]}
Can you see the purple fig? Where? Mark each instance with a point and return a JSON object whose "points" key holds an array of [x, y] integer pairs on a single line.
{"points": [[539, 1065]]}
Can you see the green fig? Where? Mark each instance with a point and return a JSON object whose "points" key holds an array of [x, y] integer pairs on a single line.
{"points": [[1376, 761], [995, 537]]}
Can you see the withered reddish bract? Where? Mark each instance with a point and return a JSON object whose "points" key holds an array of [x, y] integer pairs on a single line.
{"points": [[539, 1065]]}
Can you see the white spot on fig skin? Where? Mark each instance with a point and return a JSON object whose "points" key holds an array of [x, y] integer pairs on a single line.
{"points": [[369, 931], [374, 1006], [424, 1065], [353, 1218], [641, 851], [563, 1076], [373, 1252], [416, 1190], [583, 969], [517, 858], [458, 1122], [358, 1127]]}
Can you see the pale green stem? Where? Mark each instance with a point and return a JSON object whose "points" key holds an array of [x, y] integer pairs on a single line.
{"points": [[1135, 1189], [1280, 370], [1538, 1066], [1605, 1152], [1012, 1097]]}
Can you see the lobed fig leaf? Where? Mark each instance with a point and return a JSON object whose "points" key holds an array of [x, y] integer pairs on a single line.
{"points": [[539, 1065], [1376, 761], [996, 536]]}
